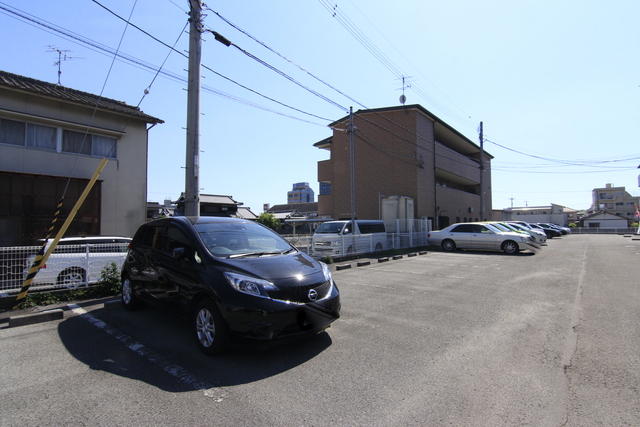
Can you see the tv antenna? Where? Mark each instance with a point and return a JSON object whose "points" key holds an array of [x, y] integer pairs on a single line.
{"points": [[62, 56], [405, 85]]}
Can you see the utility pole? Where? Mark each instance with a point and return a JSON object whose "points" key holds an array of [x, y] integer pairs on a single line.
{"points": [[352, 162], [483, 216], [192, 179]]}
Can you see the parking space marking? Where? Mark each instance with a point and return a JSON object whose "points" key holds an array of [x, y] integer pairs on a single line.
{"points": [[176, 371]]}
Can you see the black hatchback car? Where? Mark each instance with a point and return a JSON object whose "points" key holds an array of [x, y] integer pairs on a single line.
{"points": [[233, 278]]}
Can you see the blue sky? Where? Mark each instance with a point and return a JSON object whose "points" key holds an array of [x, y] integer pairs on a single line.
{"points": [[556, 84]]}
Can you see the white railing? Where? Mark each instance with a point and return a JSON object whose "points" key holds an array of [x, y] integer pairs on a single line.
{"points": [[409, 234], [69, 266]]}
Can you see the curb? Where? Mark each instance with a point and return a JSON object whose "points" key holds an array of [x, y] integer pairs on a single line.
{"points": [[339, 267], [31, 319]]}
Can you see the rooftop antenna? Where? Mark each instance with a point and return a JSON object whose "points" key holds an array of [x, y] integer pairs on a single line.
{"points": [[62, 56], [405, 85]]}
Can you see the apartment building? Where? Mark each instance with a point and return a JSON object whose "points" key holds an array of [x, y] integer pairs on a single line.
{"points": [[404, 151], [52, 139], [615, 200], [300, 193]]}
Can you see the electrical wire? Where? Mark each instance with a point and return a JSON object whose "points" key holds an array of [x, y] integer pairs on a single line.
{"points": [[284, 57], [105, 50]]}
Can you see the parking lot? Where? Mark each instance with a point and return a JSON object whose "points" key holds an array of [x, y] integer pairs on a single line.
{"points": [[463, 338]]}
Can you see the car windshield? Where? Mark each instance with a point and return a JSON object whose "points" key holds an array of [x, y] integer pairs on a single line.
{"points": [[330, 228], [501, 227], [493, 228], [241, 239]]}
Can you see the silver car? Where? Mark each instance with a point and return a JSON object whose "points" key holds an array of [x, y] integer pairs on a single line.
{"points": [[474, 235]]}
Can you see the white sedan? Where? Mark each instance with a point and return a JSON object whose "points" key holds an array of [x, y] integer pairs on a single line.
{"points": [[473, 235]]}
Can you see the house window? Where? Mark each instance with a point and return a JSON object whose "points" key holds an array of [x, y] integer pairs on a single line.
{"points": [[104, 147], [76, 142], [41, 136], [12, 132], [86, 143]]}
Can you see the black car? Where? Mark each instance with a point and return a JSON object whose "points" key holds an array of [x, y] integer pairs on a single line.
{"points": [[234, 279], [550, 232]]}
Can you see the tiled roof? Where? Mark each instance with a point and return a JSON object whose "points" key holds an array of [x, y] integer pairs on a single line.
{"points": [[51, 90]]}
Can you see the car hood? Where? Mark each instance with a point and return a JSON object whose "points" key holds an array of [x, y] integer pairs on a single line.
{"points": [[279, 268]]}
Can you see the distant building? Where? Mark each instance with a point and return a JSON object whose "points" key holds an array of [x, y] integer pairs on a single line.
{"points": [[615, 200], [300, 193], [217, 205], [604, 219], [404, 151], [555, 214], [304, 216]]}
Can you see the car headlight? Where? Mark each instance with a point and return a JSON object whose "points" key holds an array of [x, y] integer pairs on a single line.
{"points": [[250, 285], [326, 272], [335, 243]]}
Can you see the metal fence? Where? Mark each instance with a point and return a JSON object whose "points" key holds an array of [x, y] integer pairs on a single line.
{"points": [[68, 266], [407, 234]]}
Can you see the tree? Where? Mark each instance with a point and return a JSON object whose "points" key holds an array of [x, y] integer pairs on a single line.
{"points": [[269, 220]]}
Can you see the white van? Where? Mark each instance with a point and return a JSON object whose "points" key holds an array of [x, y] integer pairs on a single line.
{"points": [[79, 260], [349, 237]]}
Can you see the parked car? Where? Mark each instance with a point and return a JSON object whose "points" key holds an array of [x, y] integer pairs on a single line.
{"points": [[233, 279], [538, 236], [79, 260], [563, 230], [550, 232], [536, 239], [346, 237], [473, 235]]}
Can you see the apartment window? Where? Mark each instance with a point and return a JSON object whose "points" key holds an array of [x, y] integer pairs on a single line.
{"points": [[325, 188]]}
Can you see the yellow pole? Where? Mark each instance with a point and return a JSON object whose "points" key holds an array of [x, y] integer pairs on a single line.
{"points": [[42, 259]]}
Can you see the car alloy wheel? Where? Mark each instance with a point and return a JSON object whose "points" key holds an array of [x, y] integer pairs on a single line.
{"points": [[448, 245], [210, 328], [510, 247]]}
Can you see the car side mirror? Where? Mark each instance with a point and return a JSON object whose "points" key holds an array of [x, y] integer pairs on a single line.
{"points": [[178, 253]]}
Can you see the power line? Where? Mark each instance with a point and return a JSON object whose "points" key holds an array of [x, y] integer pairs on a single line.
{"points": [[105, 50], [285, 58]]}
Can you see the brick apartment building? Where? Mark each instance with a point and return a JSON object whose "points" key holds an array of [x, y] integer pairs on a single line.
{"points": [[403, 151]]}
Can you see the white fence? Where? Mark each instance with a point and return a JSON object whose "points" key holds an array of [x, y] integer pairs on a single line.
{"points": [[69, 266], [410, 234]]}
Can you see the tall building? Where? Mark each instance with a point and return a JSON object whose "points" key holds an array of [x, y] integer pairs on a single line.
{"points": [[614, 200], [300, 193], [408, 152]]}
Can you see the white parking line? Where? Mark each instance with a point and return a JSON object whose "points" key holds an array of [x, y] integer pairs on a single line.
{"points": [[174, 370]]}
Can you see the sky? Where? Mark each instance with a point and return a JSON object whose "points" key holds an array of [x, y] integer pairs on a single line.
{"points": [[556, 84]]}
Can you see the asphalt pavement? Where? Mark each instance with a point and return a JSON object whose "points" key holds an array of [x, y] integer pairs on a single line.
{"points": [[465, 338]]}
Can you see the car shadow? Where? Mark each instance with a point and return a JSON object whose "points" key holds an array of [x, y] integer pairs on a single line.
{"points": [[158, 348]]}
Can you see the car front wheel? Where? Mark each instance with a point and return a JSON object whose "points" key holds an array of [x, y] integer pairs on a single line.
{"points": [[210, 329], [448, 245], [510, 247]]}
